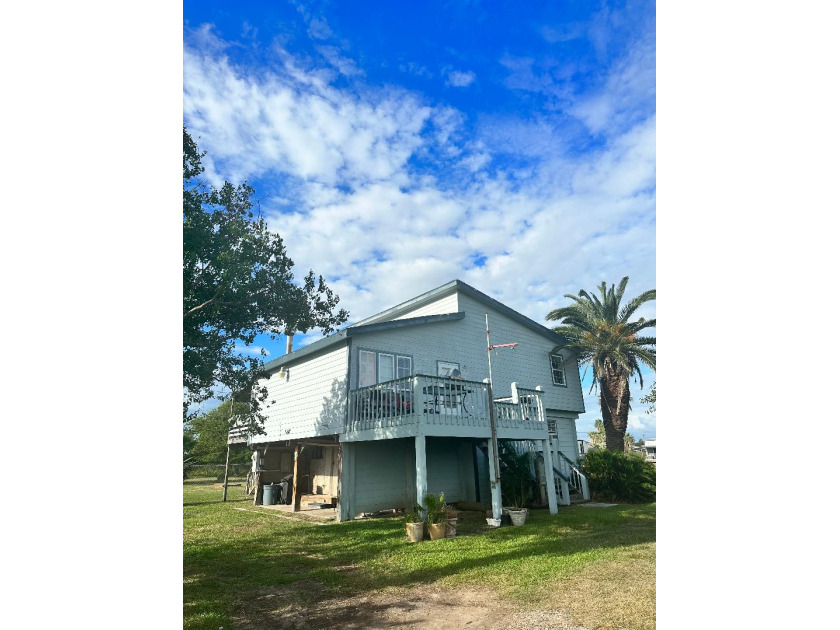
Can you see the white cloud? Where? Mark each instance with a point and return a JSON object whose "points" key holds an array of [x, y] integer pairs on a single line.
{"points": [[456, 78], [352, 204], [254, 350]]}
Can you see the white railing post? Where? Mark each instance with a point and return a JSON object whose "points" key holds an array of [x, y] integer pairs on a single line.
{"points": [[540, 407], [551, 490], [418, 402]]}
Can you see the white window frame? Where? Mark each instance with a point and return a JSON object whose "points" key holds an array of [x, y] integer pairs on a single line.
{"points": [[375, 371], [398, 361], [554, 369]]}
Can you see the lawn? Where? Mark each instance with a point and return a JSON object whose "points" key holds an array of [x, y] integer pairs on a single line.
{"points": [[597, 564]]}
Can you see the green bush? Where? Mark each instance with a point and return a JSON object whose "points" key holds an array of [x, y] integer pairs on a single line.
{"points": [[519, 487], [616, 476]]}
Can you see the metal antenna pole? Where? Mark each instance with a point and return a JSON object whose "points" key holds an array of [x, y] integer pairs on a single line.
{"points": [[495, 441]]}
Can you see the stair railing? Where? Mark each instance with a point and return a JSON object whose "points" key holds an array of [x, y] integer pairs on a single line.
{"points": [[573, 475]]}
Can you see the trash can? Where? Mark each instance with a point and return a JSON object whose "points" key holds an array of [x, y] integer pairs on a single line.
{"points": [[286, 490], [268, 494]]}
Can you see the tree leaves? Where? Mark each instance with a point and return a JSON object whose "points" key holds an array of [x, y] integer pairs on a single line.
{"points": [[599, 331], [238, 283]]}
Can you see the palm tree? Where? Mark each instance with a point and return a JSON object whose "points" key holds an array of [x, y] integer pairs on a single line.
{"points": [[600, 332]]}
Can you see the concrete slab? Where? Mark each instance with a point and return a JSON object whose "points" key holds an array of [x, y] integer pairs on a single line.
{"points": [[597, 504]]}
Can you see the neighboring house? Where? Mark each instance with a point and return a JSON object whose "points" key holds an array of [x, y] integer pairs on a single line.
{"points": [[583, 447], [397, 405], [650, 450]]}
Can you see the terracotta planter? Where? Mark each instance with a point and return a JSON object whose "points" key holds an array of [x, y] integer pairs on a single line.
{"points": [[517, 517], [437, 530], [414, 531], [451, 525]]}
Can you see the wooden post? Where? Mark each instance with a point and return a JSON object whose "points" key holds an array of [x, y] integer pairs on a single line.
{"points": [[256, 474], [295, 484], [227, 461], [257, 498], [420, 467]]}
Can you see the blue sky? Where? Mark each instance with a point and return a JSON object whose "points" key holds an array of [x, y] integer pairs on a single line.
{"points": [[396, 147]]}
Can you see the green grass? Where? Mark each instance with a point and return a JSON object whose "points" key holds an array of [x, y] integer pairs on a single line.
{"points": [[596, 563]]}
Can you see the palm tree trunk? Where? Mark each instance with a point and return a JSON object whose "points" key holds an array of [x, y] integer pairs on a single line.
{"points": [[615, 405]]}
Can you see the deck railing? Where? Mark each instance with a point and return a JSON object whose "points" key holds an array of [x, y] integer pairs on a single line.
{"points": [[238, 433], [435, 400]]}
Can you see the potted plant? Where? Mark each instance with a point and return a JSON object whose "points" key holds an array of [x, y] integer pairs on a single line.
{"points": [[451, 521], [414, 523], [435, 515]]}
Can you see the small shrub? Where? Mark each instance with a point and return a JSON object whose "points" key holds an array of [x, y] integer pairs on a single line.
{"points": [[435, 509], [615, 476], [414, 514]]}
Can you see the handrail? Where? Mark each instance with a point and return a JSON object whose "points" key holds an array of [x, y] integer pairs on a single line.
{"points": [[576, 477], [562, 476]]}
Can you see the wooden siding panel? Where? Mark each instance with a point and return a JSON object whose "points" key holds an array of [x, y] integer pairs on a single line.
{"points": [[325, 472], [309, 401]]}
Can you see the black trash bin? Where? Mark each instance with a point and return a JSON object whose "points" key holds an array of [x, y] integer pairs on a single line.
{"points": [[286, 490]]}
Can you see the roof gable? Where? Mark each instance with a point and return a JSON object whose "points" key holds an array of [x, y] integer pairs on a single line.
{"points": [[387, 319]]}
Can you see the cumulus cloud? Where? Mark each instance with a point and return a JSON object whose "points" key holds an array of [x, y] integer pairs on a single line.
{"points": [[456, 78], [345, 174]]}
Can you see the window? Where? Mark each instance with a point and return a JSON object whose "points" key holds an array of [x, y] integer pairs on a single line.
{"points": [[558, 371], [448, 369], [403, 367], [386, 367], [380, 367], [367, 368]]}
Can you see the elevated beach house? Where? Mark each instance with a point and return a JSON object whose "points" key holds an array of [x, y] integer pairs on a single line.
{"points": [[397, 405]]}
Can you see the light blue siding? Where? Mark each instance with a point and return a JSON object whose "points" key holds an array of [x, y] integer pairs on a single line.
{"points": [[380, 475], [566, 435], [444, 470], [309, 400]]}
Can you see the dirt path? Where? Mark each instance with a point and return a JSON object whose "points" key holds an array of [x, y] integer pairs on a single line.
{"points": [[418, 608]]}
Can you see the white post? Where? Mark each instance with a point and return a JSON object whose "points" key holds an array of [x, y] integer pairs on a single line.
{"points": [[541, 406], [495, 488], [420, 463], [548, 463], [514, 394]]}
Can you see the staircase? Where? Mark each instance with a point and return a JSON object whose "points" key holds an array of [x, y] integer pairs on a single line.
{"points": [[570, 483]]}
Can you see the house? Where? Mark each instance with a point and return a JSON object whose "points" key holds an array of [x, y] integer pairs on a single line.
{"points": [[650, 450], [583, 447], [397, 405]]}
